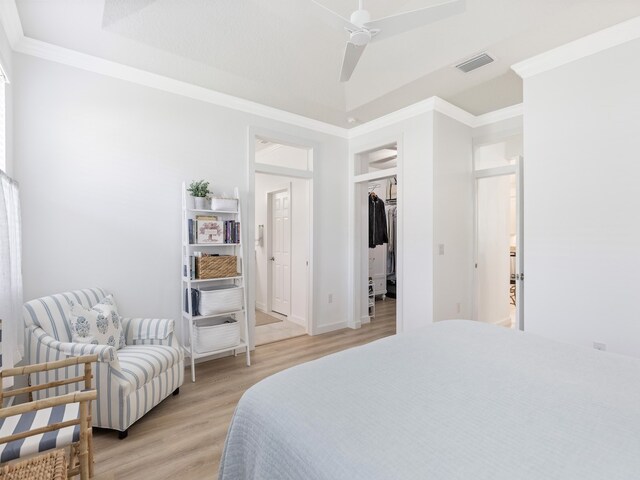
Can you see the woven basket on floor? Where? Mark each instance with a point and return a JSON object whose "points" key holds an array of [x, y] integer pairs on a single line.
{"points": [[49, 466], [216, 267]]}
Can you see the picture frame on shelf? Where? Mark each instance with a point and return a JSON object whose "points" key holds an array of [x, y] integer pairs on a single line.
{"points": [[210, 232]]}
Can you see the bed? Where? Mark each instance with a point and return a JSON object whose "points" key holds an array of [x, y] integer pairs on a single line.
{"points": [[456, 400]]}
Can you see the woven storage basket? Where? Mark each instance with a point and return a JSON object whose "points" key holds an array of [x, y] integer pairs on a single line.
{"points": [[220, 299], [50, 466], [216, 334], [217, 267]]}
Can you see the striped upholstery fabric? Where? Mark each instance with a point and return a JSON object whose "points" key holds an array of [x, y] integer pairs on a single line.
{"points": [[44, 441], [129, 381]]}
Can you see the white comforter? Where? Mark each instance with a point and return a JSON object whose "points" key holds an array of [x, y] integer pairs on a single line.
{"points": [[457, 400]]}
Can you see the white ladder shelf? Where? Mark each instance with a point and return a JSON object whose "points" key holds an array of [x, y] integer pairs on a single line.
{"points": [[188, 322]]}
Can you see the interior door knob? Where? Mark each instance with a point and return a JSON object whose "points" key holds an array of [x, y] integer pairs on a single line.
{"points": [[273, 259]]}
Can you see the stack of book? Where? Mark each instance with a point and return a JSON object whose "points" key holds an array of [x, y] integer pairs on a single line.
{"points": [[231, 231], [208, 229]]}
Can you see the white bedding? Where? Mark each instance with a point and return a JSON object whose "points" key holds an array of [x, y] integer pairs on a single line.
{"points": [[457, 400]]}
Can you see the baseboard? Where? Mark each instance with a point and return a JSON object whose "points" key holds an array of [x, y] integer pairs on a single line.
{"points": [[298, 320], [320, 329], [365, 319], [261, 306], [505, 322]]}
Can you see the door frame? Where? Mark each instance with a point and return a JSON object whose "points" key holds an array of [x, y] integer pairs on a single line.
{"points": [[518, 171], [254, 133], [358, 229], [287, 188]]}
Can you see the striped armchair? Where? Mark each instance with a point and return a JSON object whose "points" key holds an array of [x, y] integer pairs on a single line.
{"points": [[129, 381]]}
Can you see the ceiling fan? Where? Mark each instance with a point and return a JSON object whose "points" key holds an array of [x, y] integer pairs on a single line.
{"points": [[362, 30]]}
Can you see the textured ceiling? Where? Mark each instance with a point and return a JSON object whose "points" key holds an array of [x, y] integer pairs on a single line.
{"points": [[280, 53]]}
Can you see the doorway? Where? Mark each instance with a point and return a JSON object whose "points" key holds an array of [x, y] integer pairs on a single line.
{"points": [[377, 243], [499, 223], [282, 245]]}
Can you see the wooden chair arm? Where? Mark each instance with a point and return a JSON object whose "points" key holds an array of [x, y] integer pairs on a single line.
{"points": [[75, 397], [44, 367]]}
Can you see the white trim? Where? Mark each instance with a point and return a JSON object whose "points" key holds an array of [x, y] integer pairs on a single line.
{"points": [[298, 321], [499, 115], [495, 171], [392, 118], [47, 51], [261, 306], [431, 104], [437, 104], [11, 21], [320, 329], [282, 171], [591, 44], [454, 112], [375, 175]]}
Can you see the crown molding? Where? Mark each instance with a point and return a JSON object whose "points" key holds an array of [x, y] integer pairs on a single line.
{"points": [[454, 112], [392, 118], [499, 115], [11, 22], [47, 51], [583, 47]]}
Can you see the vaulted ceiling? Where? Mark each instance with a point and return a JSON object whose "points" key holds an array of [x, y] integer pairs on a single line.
{"points": [[280, 53]]}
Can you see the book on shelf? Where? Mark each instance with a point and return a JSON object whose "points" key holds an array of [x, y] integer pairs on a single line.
{"points": [[231, 231], [207, 229], [210, 231]]}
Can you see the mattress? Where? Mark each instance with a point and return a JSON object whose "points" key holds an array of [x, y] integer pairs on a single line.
{"points": [[456, 400]]}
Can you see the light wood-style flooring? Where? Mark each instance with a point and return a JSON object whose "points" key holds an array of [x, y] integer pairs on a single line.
{"points": [[183, 437]]}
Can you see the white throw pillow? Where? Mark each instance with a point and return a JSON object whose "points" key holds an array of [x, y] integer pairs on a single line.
{"points": [[99, 325]]}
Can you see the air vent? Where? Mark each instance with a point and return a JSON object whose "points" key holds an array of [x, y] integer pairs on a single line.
{"points": [[475, 62]]}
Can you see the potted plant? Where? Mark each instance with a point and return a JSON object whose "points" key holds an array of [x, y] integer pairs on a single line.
{"points": [[199, 191]]}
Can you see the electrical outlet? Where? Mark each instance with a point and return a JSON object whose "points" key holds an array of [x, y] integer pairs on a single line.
{"points": [[600, 346], [458, 307], [441, 249], [331, 298]]}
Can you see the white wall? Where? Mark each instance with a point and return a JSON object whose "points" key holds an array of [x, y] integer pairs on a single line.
{"points": [[582, 234], [435, 205], [299, 241], [100, 162], [6, 59], [415, 215], [453, 219]]}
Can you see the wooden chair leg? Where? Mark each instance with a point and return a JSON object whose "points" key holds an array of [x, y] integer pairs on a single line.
{"points": [[73, 456], [84, 442], [90, 448]]}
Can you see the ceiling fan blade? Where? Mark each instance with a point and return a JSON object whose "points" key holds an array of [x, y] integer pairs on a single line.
{"points": [[334, 19], [406, 21], [352, 55]]}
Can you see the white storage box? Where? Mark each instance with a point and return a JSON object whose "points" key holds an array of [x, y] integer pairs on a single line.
{"points": [[224, 204], [216, 334], [220, 299]]}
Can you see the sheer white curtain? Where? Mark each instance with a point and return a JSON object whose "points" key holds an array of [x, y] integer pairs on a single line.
{"points": [[10, 273]]}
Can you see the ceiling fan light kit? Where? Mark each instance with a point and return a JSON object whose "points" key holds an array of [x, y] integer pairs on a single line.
{"points": [[362, 30]]}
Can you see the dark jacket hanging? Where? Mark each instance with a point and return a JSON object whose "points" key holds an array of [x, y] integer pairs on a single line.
{"points": [[377, 222]]}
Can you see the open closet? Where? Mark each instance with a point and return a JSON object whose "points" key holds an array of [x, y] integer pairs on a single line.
{"points": [[382, 199]]}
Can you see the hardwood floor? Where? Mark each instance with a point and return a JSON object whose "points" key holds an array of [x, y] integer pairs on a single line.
{"points": [[183, 437]]}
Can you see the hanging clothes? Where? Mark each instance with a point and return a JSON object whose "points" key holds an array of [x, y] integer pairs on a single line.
{"points": [[392, 222], [377, 221]]}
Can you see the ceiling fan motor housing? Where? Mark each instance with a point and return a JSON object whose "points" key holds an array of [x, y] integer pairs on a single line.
{"points": [[360, 38], [360, 17]]}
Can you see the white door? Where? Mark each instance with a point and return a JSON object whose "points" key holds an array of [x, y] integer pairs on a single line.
{"points": [[281, 252], [499, 247]]}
